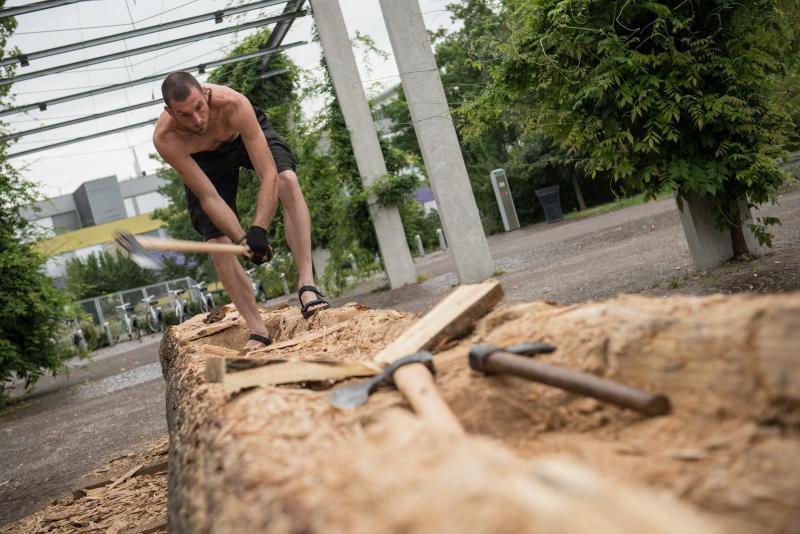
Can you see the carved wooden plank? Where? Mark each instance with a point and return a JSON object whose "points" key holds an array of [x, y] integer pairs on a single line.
{"points": [[453, 317]]}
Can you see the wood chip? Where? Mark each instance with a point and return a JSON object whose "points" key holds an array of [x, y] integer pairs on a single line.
{"points": [[125, 477]]}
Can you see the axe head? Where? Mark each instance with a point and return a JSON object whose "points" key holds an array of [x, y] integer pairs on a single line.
{"points": [[140, 256]]}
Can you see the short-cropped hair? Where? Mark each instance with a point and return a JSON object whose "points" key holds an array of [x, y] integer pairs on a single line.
{"points": [[177, 86]]}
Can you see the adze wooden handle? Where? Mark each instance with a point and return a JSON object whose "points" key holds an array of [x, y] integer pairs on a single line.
{"points": [[180, 245], [416, 383], [451, 317]]}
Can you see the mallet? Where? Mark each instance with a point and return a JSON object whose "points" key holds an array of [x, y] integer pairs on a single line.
{"points": [[515, 360], [140, 248]]}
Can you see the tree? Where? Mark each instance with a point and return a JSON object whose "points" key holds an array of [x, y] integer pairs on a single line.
{"points": [[103, 273], [660, 95], [531, 159], [31, 307]]}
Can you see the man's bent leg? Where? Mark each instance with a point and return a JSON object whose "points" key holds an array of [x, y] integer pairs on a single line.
{"points": [[237, 284], [297, 227]]}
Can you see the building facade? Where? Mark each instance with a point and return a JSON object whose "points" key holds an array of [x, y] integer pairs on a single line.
{"points": [[84, 222]]}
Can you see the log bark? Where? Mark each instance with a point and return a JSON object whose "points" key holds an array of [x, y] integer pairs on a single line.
{"points": [[279, 459]]}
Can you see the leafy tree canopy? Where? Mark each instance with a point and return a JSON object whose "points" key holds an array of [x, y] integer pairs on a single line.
{"points": [[660, 95], [31, 308]]}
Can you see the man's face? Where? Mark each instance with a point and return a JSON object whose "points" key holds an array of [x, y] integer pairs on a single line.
{"points": [[192, 112]]}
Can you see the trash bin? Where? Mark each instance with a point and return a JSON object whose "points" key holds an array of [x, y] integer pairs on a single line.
{"points": [[551, 203]]}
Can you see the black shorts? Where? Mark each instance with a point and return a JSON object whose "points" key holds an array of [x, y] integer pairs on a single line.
{"points": [[222, 168]]}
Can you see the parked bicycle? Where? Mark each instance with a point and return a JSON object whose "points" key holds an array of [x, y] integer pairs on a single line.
{"points": [[153, 316], [258, 289], [130, 322], [206, 299], [181, 307]]}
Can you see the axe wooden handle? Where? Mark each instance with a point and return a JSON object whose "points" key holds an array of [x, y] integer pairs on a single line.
{"points": [[180, 245]]}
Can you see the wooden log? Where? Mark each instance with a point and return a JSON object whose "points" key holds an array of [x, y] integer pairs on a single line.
{"points": [[282, 459]]}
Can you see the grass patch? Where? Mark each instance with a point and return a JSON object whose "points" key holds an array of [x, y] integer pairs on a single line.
{"points": [[498, 272], [619, 204]]}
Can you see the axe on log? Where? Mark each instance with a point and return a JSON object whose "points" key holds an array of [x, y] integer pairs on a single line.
{"points": [[141, 248]]}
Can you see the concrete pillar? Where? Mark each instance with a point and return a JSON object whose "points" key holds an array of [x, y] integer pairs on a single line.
{"points": [[709, 246], [437, 140], [366, 147]]}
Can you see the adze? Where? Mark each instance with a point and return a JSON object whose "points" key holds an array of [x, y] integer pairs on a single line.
{"points": [[141, 248]]}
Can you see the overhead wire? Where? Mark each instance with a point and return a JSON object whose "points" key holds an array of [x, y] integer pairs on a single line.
{"points": [[104, 25]]}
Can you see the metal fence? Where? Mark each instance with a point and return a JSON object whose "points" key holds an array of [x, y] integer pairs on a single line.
{"points": [[105, 309]]}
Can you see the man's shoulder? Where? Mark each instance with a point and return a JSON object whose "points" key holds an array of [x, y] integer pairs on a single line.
{"points": [[165, 136], [224, 96]]}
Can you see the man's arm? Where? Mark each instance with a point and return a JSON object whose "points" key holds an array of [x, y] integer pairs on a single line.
{"points": [[195, 179], [264, 165]]}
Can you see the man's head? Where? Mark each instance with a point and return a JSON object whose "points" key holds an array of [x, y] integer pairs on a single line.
{"points": [[186, 101]]}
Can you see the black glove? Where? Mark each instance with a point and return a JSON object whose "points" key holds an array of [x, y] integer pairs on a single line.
{"points": [[257, 242]]}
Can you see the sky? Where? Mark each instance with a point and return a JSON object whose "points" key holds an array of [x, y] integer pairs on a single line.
{"points": [[62, 170]]}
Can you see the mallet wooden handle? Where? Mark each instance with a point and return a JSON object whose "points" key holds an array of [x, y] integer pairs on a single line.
{"points": [[578, 382], [180, 245]]}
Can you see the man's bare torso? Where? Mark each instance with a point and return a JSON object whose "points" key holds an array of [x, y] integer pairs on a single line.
{"points": [[222, 104]]}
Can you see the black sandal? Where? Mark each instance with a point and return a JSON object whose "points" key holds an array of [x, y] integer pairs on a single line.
{"points": [[319, 302], [266, 340]]}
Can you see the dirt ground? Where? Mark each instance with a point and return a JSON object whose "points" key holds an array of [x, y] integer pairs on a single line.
{"points": [[636, 250]]}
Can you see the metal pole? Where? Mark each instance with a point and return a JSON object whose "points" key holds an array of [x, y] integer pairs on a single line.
{"points": [[202, 67], [420, 248], [217, 16], [284, 284], [145, 49], [442, 242], [79, 139], [32, 131], [100, 318], [281, 29], [37, 6]]}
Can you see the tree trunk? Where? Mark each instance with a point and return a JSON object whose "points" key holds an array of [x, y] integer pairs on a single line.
{"points": [[738, 241], [578, 192], [281, 459]]}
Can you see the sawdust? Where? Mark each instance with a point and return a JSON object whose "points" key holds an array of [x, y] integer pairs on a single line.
{"points": [[125, 502]]}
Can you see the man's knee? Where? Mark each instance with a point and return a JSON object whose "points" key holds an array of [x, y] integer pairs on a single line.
{"points": [[289, 186], [219, 258]]}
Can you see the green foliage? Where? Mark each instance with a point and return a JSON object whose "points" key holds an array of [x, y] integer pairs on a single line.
{"points": [[392, 189], [657, 95], [416, 222], [31, 308], [103, 273], [94, 335], [531, 159]]}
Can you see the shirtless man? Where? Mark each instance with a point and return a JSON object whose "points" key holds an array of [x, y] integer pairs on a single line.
{"points": [[206, 133]]}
